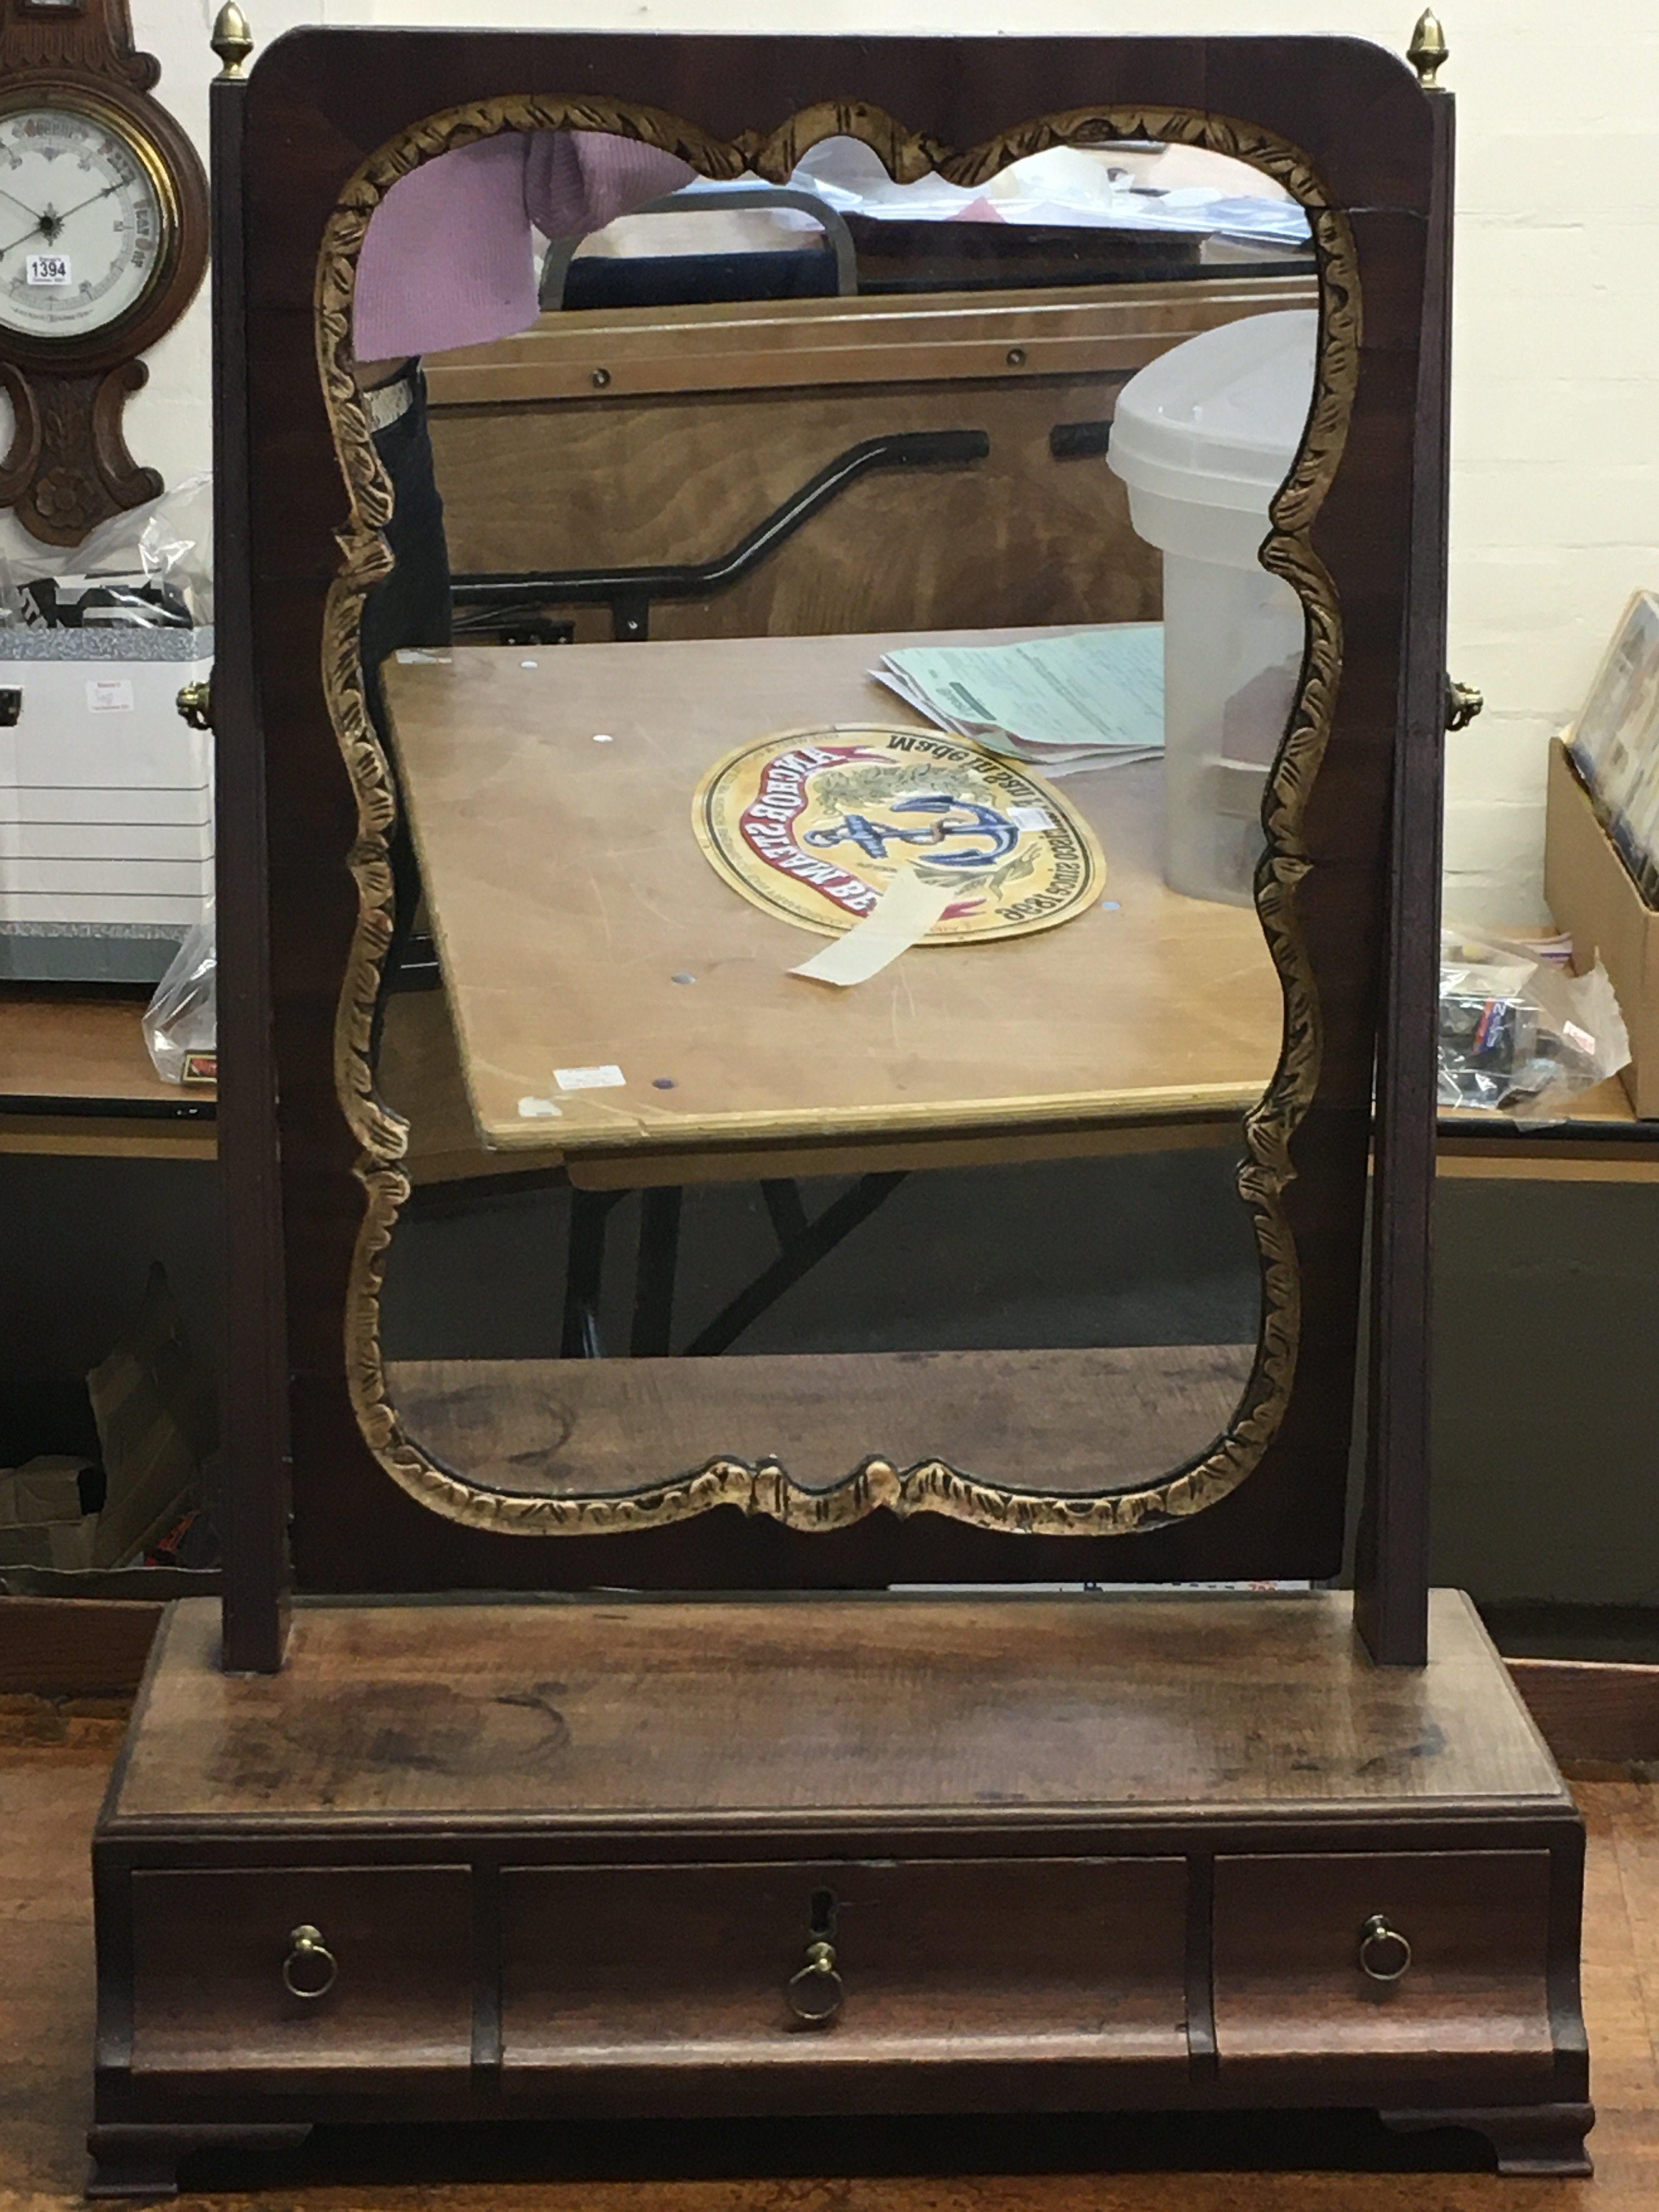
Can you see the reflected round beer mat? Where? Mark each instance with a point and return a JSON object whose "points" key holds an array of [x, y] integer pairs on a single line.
{"points": [[812, 825]]}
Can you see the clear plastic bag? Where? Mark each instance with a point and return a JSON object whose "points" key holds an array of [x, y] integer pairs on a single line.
{"points": [[1520, 1035], [151, 568], [181, 1021]]}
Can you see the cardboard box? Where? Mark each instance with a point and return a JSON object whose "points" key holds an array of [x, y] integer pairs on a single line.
{"points": [[155, 1410], [41, 1491], [1591, 896], [67, 1545]]}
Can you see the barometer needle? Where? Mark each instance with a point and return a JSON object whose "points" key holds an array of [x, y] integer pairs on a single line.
{"points": [[16, 203], [79, 204], [56, 222]]}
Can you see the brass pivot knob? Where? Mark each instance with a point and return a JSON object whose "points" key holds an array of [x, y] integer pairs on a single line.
{"points": [[311, 1969], [195, 704], [1384, 1954], [817, 1993], [1463, 703]]}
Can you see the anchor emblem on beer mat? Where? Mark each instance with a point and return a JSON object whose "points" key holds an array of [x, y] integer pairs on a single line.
{"points": [[813, 824]]}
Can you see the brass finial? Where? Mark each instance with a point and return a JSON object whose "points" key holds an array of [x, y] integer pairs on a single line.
{"points": [[231, 42], [1428, 50]]}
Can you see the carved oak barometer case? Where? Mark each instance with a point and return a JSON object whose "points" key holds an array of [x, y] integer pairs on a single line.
{"points": [[105, 238], [737, 1724]]}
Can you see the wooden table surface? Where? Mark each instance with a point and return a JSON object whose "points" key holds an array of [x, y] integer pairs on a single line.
{"points": [[1598, 1140], [63, 1056], [75, 1077], [57, 1047], [54, 1763], [568, 893]]}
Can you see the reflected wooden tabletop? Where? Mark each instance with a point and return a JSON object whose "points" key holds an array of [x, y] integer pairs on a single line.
{"points": [[569, 896]]}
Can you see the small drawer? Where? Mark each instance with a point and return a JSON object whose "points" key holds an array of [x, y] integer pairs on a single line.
{"points": [[386, 1981], [1467, 1985], [989, 1958]]}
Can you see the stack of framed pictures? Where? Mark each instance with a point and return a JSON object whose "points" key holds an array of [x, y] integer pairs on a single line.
{"points": [[1614, 744]]}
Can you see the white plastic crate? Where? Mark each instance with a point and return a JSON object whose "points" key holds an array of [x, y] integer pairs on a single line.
{"points": [[106, 802]]}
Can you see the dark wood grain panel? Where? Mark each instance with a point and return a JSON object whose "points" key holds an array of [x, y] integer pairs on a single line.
{"points": [[979, 2162], [987, 1962], [209, 1947], [1290, 1991], [255, 1500], [1058, 1421], [1391, 1568], [650, 1793], [920, 1708]]}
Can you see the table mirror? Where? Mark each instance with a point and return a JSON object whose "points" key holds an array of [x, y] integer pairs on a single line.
{"points": [[741, 1813], [1034, 1206]]}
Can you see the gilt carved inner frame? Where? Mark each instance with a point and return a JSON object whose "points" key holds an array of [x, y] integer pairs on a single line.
{"points": [[764, 1486]]}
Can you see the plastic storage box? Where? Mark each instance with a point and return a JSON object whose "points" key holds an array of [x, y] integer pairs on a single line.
{"points": [[1203, 438], [106, 802]]}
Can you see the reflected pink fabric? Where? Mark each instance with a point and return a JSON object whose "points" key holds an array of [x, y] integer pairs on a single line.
{"points": [[448, 260]]}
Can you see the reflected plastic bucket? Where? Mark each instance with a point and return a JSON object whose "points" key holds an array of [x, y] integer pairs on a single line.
{"points": [[1203, 438]]}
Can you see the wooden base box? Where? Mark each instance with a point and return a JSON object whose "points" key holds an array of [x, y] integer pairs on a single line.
{"points": [[884, 1854]]}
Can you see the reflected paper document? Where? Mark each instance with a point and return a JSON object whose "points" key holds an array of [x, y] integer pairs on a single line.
{"points": [[1078, 700]]}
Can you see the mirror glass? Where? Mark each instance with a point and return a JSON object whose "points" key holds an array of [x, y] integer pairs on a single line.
{"points": [[831, 684]]}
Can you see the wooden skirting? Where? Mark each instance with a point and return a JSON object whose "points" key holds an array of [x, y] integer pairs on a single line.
{"points": [[1593, 1711], [57, 1647]]}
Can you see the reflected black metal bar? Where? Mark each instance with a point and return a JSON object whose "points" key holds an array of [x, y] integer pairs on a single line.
{"points": [[654, 1271], [584, 1274], [695, 199], [783, 1203], [417, 968], [630, 593], [798, 1257], [1071, 442]]}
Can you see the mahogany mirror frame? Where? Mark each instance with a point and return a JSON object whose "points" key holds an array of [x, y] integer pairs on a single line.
{"points": [[1359, 875]]}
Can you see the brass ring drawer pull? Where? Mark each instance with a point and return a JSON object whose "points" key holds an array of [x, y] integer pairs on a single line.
{"points": [[311, 1969], [1384, 1954], [817, 1993]]}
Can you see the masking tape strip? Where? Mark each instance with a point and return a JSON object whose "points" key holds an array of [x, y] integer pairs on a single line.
{"points": [[905, 912]]}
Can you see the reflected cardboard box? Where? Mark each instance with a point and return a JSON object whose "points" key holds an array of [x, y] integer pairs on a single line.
{"points": [[1592, 896], [43, 1521]]}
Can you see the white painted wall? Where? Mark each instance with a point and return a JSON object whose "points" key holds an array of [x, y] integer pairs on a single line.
{"points": [[1555, 511]]}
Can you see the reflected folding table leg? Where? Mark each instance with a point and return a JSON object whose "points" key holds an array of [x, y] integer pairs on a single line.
{"points": [[802, 1244], [653, 1281], [584, 1274]]}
